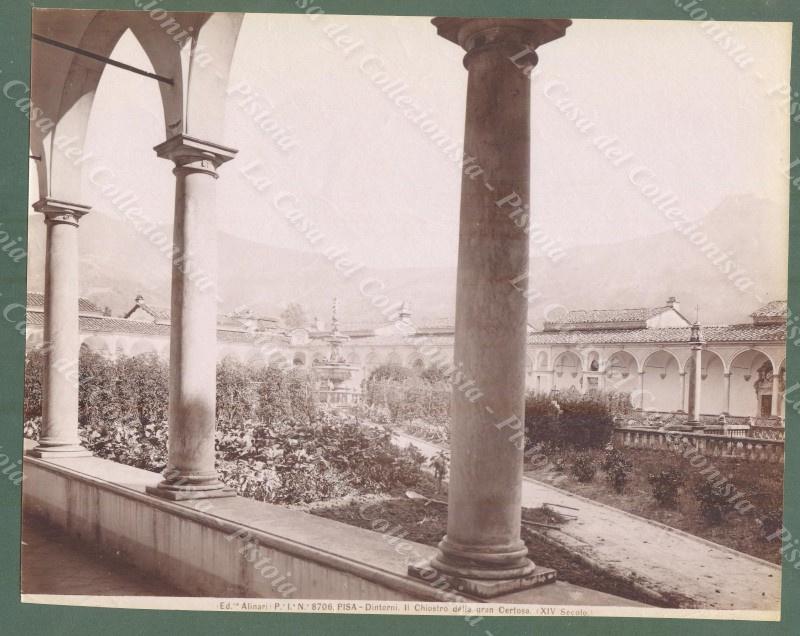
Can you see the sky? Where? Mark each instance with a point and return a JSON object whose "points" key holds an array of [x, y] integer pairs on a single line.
{"points": [[665, 92]]}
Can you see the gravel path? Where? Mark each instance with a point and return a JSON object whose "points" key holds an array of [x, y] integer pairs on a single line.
{"points": [[656, 556]]}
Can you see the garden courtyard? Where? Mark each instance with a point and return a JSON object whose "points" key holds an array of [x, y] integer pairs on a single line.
{"points": [[643, 525]]}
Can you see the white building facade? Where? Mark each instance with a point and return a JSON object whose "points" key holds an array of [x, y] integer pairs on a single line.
{"points": [[645, 352]]}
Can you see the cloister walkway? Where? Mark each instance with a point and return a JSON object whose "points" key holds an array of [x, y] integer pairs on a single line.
{"points": [[54, 563], [657, 556]]}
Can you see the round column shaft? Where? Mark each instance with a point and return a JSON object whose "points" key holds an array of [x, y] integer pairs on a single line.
{"points": [[59, 433], [483, 527], [697, 353], [191, 471]]}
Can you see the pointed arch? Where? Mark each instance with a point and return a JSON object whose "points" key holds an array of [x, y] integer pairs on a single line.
{"points": [[196, 59]]}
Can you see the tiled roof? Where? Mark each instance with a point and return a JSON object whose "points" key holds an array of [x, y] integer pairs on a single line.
{"points": [[36, 300], [773, 309], [745, 332], [428, 325], [123, 325], [714, 333], [86, 305], [158, 313], [611, 315], [105, 324], [398, 339], [35, 318]]}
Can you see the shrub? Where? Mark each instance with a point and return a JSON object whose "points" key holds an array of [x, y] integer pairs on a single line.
{"points": [[579, 421], [272, 443], [32, 400], [583, 468], [715, 503], [618, 469], [666, 485], [409, 398], [390, 371], [434, 373], [32, 427]]}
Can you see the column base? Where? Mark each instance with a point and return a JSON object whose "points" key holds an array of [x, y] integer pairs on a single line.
{"points": [[482, 588], [59, 452], [185, 494]]}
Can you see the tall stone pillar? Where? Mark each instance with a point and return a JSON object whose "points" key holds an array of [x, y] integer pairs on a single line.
{"points": [[641, 390], [684, 406], [776, 389], [697, 352], [482, 553], [191, 473], [726, 387], [59, 434]]}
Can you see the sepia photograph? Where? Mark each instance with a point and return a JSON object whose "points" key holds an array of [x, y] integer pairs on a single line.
{"points": [[433, 315]]}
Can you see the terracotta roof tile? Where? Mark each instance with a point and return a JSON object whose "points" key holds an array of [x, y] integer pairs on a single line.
{"points": [[775, 308], [714, 333], [36, 300]]}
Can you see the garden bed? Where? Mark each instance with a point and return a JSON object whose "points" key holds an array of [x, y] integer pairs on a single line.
{"points": [[426, 523], [761, 485]]}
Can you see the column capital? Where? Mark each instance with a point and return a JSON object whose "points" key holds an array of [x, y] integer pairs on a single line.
{"points": [[57, 211], [512, 36], [195, 154]]}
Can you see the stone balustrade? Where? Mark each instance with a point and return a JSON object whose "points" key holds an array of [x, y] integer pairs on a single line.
{"points": [[767, 432], [764, 450], [646, 418]]}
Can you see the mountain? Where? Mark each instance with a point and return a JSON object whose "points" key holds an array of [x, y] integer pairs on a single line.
{"points": [[118, 263]]}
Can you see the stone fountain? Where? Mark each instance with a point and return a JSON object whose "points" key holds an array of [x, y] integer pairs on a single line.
{"points": [[333, 376]]}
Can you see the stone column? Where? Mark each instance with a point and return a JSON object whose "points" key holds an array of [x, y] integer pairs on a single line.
{"points": [[641, 390], [191, 473], [726, 387], [683, 391], [697, 352], [775, 405], [59, 434], [482, 553]]}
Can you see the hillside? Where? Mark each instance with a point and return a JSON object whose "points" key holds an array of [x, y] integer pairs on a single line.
{"points": [[117, 264]]}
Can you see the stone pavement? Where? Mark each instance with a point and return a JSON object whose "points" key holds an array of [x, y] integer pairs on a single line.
{"points": [[55, 564], [656, 556]]}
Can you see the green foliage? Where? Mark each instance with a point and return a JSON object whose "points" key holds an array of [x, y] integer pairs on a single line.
{"points": [[713, 500], [440, 463], [294, 316], [406, 398], [272, 443], [580, 421], [433, 374], [390, 371], [32, 400], [583, 468], [618, 469], [666, 486]]}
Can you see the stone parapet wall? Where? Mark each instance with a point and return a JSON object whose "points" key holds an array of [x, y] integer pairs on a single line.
{"points": [[764, 450]]}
